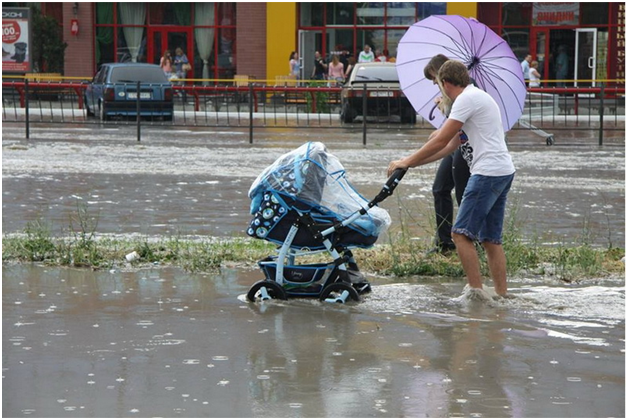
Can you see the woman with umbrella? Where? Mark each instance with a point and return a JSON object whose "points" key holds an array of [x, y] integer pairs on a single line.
{"points": [[452, 174], [481, 214]]}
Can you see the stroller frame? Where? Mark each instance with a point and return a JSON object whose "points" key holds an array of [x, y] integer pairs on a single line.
{"points": [[336, 281]]}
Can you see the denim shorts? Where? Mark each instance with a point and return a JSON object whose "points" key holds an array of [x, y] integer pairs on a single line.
{"points": [[481, 213]]}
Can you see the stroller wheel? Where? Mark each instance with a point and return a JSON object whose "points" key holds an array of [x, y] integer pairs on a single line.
{"points": [[339, 293], [264, 290]]}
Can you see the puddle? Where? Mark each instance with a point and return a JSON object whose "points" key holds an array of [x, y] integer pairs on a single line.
{"points": [[409, 349]]}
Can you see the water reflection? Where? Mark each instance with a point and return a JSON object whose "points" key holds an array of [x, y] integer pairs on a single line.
{"points": [[162, 342]]}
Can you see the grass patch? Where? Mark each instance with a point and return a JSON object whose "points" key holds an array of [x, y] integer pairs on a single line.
{"points": [[401, 256]]}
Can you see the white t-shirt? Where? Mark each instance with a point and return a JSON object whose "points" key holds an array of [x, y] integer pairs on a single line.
{"points": [[365, 57], [485, 149]]}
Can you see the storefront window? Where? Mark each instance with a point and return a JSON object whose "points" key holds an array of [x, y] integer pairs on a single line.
{"points": [[517, 14], [370, 13], [339, 13], [170, 14], [594, 13], [400, 13], [312, 13], [519, 41], [428, 9], [392, 41], [339, 40], [373, 37]]}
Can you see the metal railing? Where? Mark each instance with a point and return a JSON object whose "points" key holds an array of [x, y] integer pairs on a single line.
{"points": [[258, 105]]}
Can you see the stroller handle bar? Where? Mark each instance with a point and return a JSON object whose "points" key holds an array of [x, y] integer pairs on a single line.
{"points": [[389, 186], [386, 192]]}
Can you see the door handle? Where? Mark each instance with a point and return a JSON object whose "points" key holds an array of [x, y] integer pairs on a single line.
{"points": [[590, 62]]}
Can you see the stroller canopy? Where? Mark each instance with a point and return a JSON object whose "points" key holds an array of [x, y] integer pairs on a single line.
{"points": [[311, 180]]}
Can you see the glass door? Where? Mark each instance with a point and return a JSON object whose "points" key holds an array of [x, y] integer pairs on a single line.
{"points": [[163, 38], [585, 57], [309, 43]]}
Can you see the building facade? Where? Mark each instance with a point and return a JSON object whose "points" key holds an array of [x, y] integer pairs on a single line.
{"points": [[256, 39]]}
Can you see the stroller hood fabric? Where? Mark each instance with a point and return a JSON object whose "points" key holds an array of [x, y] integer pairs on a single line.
{"points": [[311, 180]]}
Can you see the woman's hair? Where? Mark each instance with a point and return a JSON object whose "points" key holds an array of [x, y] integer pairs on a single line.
{"points": [[454, 72], [178, 50], [335, 59], [431, 69], [292, 55], [534, 64]]}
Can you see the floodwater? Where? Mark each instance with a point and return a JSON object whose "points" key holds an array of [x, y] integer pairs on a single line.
{"points": [[160, 342], [164, 343], [195, 182]]}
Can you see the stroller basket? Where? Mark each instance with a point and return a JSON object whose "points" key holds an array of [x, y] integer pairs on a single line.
{"points": [[296, 274]]}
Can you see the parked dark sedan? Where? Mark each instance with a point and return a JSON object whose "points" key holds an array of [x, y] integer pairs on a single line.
{"points": [[384, 98], [113, 91]]}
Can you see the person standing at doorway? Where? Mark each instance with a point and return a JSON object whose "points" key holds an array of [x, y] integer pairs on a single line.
{"points": [[166, 64], [525, 67], [366, 56], [181, 63], [320, 68]]}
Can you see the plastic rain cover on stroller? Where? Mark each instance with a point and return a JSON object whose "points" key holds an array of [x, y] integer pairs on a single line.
{"points": [[310, 180]]}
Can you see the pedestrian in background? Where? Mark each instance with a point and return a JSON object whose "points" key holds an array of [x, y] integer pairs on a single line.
{"points": [[366, 56], [295, 65], [452, 175], [336, 70], [350, 68], [166, 64], [525, 67], [320, 68], [181, 63], [535, 76]]}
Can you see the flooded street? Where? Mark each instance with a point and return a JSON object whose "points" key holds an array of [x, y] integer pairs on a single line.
{"points": [[165, 343], [161, 342], [195, 182]]}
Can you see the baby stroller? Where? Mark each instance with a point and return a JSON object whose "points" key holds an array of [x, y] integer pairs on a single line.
{"points": [[304, 203]]}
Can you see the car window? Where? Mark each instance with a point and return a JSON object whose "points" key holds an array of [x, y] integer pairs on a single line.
{"points": [[144, 74], [376, 73]]}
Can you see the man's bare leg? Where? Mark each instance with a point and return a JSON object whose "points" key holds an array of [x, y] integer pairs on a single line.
{"points": [[469, 258], [497, 265]]}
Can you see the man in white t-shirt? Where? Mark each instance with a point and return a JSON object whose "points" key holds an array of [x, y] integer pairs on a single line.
{"points": [[525, 66], [367, 55], [481, 213]]}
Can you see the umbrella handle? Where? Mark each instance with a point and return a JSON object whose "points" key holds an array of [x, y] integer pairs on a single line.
{"points": [[432, 112]]}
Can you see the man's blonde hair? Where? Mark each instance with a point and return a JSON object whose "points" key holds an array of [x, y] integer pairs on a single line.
{"points": [[454, 72]]}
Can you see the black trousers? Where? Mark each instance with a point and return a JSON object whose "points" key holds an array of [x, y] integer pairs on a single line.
{"points": [[453, 173]]}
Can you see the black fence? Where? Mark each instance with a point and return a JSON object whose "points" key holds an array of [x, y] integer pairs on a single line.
{"points": [[255, 105]]}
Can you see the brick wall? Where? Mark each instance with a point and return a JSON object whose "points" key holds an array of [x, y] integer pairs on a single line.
{"points": [[79, 59], [251, 39]]}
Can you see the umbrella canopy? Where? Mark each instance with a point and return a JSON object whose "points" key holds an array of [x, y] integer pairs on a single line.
{"points": [[488, 57]]}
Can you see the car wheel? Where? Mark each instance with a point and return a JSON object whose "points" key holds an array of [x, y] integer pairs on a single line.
{"points": [[89, 112], [347, 114], [101, 112], [408, 116]]}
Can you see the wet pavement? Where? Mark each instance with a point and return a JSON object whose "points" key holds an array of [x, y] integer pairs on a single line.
{"points": [[162, 342], [165, 343], [195, 182]]}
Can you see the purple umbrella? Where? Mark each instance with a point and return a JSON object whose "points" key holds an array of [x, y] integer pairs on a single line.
{"points": [[488, 57]]}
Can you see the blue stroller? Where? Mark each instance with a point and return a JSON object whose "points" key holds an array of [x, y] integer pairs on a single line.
{"points": [[304, 203]]}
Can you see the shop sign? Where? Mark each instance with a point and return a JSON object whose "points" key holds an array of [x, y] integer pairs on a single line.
{"points": [[555, 14], [16, 40]]}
